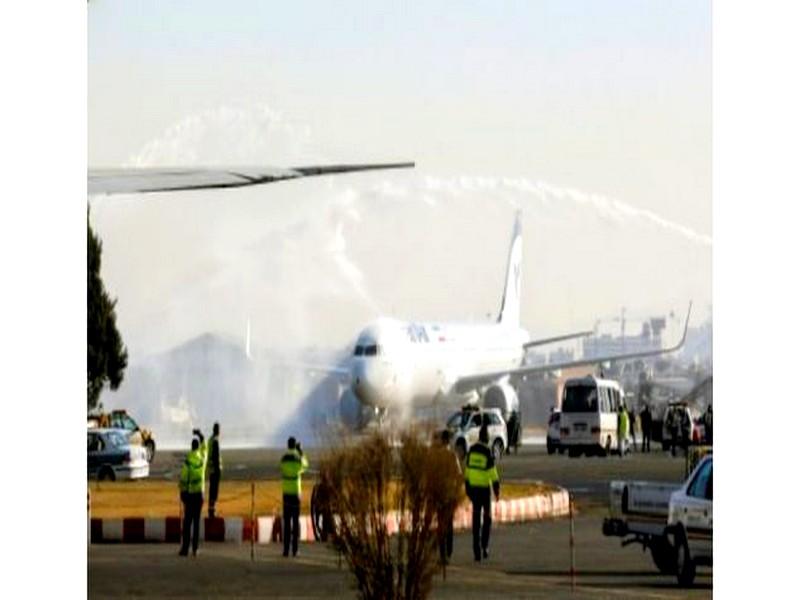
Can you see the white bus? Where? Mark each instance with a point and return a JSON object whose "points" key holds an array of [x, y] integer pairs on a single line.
{"points": [[589, 416]]}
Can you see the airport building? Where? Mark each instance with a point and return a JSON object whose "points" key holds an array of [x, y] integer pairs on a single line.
{"points": [[649, 338]]}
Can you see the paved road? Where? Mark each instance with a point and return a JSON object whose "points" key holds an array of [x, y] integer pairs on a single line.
{"points": [[527, 561]]}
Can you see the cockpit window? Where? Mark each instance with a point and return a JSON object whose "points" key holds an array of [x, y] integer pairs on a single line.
{"points": [[372, 350], [359, 351]]}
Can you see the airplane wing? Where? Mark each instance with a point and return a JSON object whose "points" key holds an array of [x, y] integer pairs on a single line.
{"points": [[558, 338], [167, 179], [472, 382]]}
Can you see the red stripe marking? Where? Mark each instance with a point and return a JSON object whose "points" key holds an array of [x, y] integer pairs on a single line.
{"points": [[172, 530], [133, 530], [249, 527], [215, 529], [97, 530], [277, 530]]}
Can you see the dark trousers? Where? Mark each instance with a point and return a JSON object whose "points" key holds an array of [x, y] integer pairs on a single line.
{"points": [[192, 508], [481, 501], [445, 536], [291, 523], [645, 439], [213, 492]]}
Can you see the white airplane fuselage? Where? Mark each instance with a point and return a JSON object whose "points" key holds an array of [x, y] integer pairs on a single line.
{"points": [[402, 365], [406, 364]]}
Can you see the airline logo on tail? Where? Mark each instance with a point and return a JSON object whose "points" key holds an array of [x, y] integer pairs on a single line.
{"points": [[510, 308]]}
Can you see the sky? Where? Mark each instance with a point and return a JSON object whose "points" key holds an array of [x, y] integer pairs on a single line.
{"points": [[594, 118]]}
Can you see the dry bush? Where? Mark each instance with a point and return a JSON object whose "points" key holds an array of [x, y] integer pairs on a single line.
{"points": [[374, 490]]}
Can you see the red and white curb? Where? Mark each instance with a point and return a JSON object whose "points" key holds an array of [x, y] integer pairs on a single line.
{"points": [[268, 529], [166, 529]]}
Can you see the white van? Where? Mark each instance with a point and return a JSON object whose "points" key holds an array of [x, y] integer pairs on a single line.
{"points": [[589, 416]]}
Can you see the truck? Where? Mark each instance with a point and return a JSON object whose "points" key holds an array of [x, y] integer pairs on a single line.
{"points": [[673, 521], [120, 419]]}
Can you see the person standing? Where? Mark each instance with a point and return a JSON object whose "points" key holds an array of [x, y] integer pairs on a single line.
{"points": [[513, 431], [708, 422], [686, 430], [445, 520], [672, 425], [480, 478], [215, 471], [192, 483], [293, 464], [622, 430], [646, 420], [632, 425]]}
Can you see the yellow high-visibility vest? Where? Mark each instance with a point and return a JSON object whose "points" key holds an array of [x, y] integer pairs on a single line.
{"points": [[193, 471], [293, 464], [480, 468]]}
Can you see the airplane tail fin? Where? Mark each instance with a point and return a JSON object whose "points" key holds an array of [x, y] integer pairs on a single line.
{"points": [[509, 309]]}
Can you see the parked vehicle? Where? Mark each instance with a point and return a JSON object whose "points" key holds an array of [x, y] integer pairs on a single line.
{"points": [[465, 426], [120, 419], [112, 456], [554, 433], [675, 412], [674, 521], [589, 416]]}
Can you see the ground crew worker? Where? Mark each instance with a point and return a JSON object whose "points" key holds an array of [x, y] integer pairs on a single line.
{"points": [[672, 425], [632, 425], [513, 430], [708, 422], [293, 464], [686, 430], [481, 475], [191, 484], [214, 469], [622, 429], [646, 419], [445, 520]]}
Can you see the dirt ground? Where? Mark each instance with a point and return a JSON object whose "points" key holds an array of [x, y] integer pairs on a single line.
{"points": [[150, 498]]}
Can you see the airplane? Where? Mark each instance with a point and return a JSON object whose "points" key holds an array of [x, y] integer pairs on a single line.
{"points": [[395, 364], [174, 179], [404, 365]]}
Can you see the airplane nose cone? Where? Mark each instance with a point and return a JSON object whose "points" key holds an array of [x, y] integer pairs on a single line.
{"points": [[368, 384], [361, 385]]}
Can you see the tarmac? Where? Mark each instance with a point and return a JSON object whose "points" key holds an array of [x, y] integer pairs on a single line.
{"points": [[526, 561], [530, 560]]}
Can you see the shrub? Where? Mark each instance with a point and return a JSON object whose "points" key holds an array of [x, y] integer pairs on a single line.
{"points": [[388, 505]]}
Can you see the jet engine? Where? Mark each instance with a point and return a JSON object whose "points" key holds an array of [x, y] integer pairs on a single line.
{"points": [[502, 396]]}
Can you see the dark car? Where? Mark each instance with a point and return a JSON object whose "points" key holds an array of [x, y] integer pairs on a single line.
{"points": [[111, 456]]}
